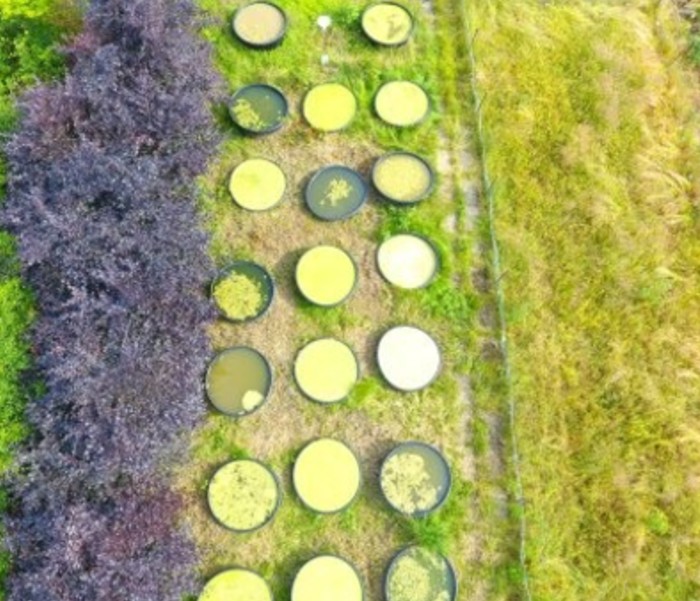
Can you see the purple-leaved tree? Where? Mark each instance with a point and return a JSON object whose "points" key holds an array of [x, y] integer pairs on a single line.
{"points": [[100, 198]]}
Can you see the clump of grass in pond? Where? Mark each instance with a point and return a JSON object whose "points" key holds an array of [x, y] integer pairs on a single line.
{"points": [[326, 370], [408, 358], [257, 184], [238, 381], [246, 115], [327, 577], [403, 177], [260, 24], [329, 107], [259, 108], [387, 23], [418, 574], [407, 261], [338, 189], [326, 475], [326, 275], [243, 495], [402, 103], [415, 479], [335, 193], [236, 585]]}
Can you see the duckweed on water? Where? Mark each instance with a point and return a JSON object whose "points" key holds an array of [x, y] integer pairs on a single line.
{"points": [[402, 103], [239, 296], [408, 484], [402, 177], [387, 23], [417, 574], [236, 585], [326, 275], [329, 107], [326, 370], [243, 495]]}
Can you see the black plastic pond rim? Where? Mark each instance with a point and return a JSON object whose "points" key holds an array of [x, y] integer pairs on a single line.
{"points": [[428, 191], [438, 258], [500, 297]]}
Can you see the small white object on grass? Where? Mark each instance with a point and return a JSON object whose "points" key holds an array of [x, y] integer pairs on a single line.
{"points": [[324, 22], [325, 60]]}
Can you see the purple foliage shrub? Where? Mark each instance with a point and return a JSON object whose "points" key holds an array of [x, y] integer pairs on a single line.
{"points": [[100, 199]]}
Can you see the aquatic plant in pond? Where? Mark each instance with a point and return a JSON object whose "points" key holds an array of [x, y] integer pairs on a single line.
{"points": [[402, 103], [387, 23], [326, 578], [260, 24], [243, 495], [403, 177], [335, 193], [236, 585], [415, 479], [257, 184], [418, 574], [326, 370], [243, 291], [329, 107], [259, 109], [326, 475]]}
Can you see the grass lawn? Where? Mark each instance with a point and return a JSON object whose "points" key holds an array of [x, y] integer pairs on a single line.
{"points": [[590, 135]]}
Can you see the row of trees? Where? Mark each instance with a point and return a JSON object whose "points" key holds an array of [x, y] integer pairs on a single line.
{"points": [[100, 200]]}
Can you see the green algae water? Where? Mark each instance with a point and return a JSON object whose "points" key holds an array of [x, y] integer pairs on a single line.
{"points": [[238, 381]]}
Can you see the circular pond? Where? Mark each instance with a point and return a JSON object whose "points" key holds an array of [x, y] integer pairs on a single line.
{"points": [[326, 275], [238, 381], [335, 193], [327, 578], [408, 358], [415, 479], [326, 370], [260, 24], [402, 103], [329, 107], [243, 495], [243, 291], [408, 261], [419, 574], [326, 475], [237, 584], [257, 184], [387, 23], [259, 109], [403, 177]]}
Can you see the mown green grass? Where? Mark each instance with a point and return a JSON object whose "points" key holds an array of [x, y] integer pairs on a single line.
{"points": [[374, 418], [590, 123]]}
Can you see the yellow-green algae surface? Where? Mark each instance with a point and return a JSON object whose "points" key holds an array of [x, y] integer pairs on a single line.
{"points": [[243, 495], [236, 585], [326, 475]]}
